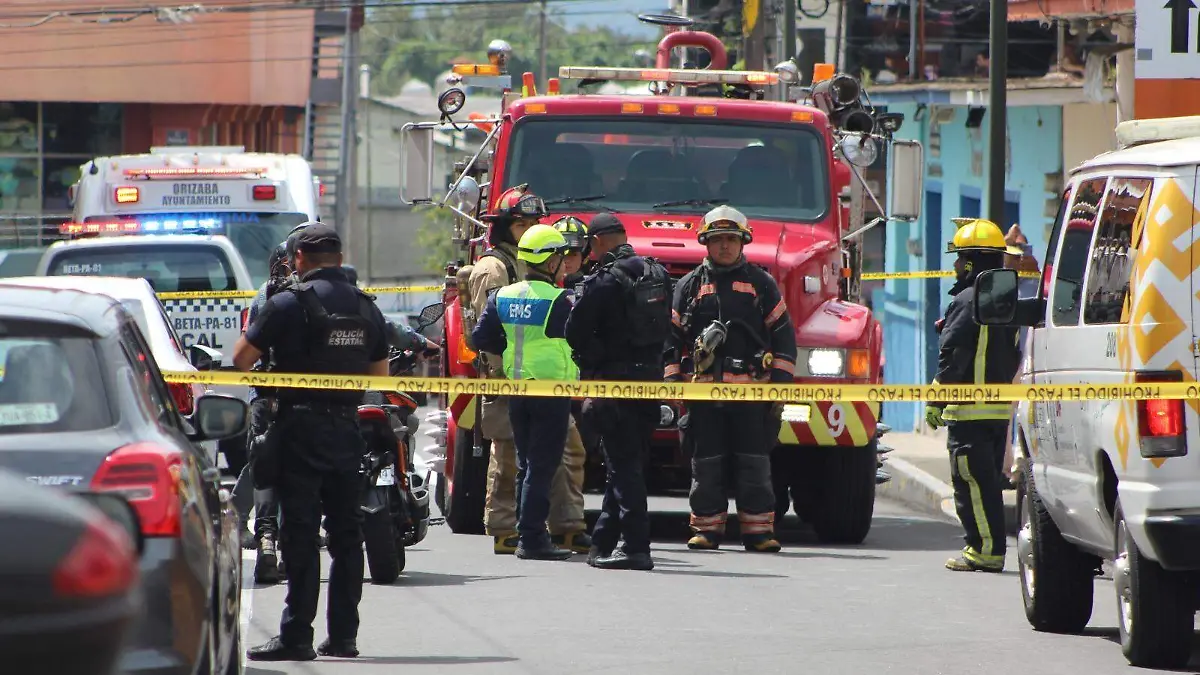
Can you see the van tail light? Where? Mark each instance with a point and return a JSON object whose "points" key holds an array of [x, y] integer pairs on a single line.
{"points": [[103, 563], [1161, 428], [147, 476], [245, 318], [185, 400]]}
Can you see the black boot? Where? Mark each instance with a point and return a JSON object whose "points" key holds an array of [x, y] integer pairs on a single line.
{"points": [[595, 553], [276, 650], [344, 649], [266, 565], [620, 560], [543, 551]]}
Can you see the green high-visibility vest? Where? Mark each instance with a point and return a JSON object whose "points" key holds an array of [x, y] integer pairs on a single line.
{"points": [[524, 309]]}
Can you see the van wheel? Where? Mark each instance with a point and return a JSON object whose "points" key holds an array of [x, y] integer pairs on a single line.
{"points": [[1154, 608], [844, 499], [1056, 577], [464, 513]]}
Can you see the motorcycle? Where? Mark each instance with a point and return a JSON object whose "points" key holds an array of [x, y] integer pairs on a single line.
{"points": [[395, 497]]}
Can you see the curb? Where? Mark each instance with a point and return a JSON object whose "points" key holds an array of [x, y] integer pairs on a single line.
{"points": [[919, 490]]}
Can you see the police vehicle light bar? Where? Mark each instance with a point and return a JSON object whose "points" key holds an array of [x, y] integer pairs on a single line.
{"points": [[673, 75], [1134, 132], [195, 171]]}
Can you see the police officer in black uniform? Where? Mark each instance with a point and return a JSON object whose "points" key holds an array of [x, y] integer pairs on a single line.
{"points": [[322, 324], [617, 332], [731, 322]]}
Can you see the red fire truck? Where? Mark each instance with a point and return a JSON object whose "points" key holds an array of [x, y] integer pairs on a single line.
{"points": [[659, 160]]}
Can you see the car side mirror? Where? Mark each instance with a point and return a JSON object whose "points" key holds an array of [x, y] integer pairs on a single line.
{"points": [[996, 297], [218, 417], [204, 357]]}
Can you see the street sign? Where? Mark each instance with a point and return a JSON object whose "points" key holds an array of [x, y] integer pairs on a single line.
{"points": [[1167, 39]]}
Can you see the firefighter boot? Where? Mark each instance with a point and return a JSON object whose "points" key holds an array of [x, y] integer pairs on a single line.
{"points": [[972, 561], [758, 532], [705, 541], [579, 542], [505, 543], [266, 565], [707, 531], [761, 543]]}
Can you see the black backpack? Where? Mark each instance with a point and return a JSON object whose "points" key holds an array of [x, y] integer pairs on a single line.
{"points": [[647, 302]]}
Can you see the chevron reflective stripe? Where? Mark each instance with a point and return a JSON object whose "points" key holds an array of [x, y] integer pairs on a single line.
{"points": [[845, 423]]}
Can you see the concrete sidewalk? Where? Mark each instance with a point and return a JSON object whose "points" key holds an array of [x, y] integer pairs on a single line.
{"points": [[920, 468]]}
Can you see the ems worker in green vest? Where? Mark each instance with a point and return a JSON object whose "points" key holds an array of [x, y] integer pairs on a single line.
{"points": [[526, 323], [969, 353]]}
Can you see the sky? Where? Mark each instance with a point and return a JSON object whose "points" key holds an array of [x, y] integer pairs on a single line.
{"points": [[619, 14]]}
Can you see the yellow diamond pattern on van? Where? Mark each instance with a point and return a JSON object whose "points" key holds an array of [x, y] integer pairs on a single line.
{"points": [[1154, 312], [1171, 217]]}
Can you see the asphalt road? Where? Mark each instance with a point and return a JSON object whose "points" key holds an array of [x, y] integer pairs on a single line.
{"points": [[887, 606]]}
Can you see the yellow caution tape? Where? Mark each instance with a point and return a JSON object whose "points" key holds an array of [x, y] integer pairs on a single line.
{"points": [[694, 391], [204, 295], [932, 274]]}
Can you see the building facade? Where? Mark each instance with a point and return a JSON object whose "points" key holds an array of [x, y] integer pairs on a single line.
{"points": [[85, 83]]}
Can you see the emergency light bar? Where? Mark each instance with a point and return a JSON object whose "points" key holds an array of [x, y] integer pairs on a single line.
{"points": [[1134, 132], [155, 224], [222, 172], [672, 75]]}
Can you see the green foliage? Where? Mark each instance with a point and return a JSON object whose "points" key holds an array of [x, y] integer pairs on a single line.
{"points": [[434, 238], [401, 43]]}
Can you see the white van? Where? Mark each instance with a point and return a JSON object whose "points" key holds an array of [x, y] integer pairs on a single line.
{"points": [[1115, 480], [254, 199]]}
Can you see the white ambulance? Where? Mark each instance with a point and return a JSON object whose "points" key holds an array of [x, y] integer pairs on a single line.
{"points": [[1114, 480]]}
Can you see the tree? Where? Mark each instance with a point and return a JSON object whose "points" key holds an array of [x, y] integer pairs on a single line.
{"points": [[401, 44], [434, 238]]}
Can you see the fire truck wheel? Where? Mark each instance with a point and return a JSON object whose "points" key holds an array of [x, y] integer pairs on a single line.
{"points": [[844, 494], [464, 499]]}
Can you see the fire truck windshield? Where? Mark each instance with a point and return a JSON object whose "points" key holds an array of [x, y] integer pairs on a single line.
{"points": [[768, 172]]}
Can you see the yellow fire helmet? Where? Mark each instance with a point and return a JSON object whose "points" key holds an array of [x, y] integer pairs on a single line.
{"points": [[976, 234], [724, 219]]}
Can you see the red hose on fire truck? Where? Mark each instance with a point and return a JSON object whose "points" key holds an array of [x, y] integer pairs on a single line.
{"points": [[789, 157]]}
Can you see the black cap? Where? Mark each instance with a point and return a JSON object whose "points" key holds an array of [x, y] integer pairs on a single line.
{"points": [[318, 238], [604, 223]]}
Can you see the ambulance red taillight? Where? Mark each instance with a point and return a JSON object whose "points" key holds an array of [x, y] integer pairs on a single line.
{"points": [[245, 318], [264, 193], [1161, 428], [125, 195]]}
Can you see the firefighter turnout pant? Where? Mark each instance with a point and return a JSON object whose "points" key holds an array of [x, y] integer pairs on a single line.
{"points": [[721, 432], [976, 454], [566, 492]]}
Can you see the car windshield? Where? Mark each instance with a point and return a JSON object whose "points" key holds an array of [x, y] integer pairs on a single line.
{"points": [[254, 235], [770, 172], [176, 268], [51, 380]]}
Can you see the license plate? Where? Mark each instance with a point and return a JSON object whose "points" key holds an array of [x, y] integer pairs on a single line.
{"points": [[387, 476]]}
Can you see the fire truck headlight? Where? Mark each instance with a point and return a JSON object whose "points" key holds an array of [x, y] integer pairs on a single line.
{"points": [[451, 101], [826, 362], [859, 150], [788, 72]]}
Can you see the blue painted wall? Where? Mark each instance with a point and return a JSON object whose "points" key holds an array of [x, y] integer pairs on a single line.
{"points": [[955, 185]]}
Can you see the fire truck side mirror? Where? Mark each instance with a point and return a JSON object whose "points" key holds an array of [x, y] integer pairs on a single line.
{"points": [[416, 164], [906, 177], [466, 194]]}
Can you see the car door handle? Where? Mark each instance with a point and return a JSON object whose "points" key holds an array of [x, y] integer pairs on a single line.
{"points": [[212, 475]]}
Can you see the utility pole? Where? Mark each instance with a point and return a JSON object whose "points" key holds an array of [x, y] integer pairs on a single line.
{"points": [[998, 112], [365, 98], [542, 46], [789, 30]]}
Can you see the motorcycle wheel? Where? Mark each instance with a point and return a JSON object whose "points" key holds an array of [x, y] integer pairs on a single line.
{"points": [[384, 557]]}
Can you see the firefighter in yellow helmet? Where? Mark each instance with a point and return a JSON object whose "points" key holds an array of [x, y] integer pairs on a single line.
{"points": [[730, 322], [969, 353]]}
